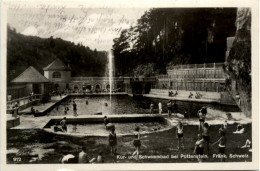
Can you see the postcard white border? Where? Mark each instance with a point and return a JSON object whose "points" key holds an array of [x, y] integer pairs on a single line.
{"points": [[253, 4]]}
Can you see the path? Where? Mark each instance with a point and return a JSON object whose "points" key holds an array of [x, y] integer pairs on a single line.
{"points": [[31, 122], [43, 107]]}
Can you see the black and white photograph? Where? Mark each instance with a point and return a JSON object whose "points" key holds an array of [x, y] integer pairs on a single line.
{"points": [[138, 84]]}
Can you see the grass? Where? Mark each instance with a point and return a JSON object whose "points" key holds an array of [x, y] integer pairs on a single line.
{"points": [[161, 143]]}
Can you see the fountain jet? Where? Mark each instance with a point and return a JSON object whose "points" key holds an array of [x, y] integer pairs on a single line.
{"points": [[110, 73]]}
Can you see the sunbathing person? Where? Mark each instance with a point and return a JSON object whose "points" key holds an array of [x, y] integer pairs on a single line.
{"points": [[190, 96], [248, 144], [240, 129], [57, 128]]}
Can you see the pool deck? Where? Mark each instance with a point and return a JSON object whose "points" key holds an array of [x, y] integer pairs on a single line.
{"points": [[98, 94], [44, 107], [182, 99], [31, 122]]}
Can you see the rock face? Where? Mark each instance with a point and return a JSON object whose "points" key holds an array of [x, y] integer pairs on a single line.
{"points": [[238, 64]]}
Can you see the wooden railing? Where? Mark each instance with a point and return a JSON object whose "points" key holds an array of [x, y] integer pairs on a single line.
{"points": [[194, 66]]}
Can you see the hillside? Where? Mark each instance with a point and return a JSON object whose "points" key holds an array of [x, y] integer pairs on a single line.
{"points": [[24, 51]]}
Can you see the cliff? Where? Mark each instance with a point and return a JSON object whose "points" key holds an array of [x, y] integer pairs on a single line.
{"points": [[238, 64]]}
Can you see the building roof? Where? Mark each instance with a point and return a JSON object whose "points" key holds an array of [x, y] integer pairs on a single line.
{"points": [[57, 65], [30, 75]]}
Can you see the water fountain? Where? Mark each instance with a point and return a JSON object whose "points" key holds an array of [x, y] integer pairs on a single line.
{"points": [[110, 72]]}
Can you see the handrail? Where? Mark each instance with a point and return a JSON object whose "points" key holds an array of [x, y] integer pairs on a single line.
{"points": [[194, 66], [24, 98]]}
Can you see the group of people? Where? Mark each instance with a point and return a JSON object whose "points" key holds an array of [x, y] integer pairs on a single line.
{"points": [[112, 140], [66, 108], [203, 136], [172, 107], [198, 95], [171, 94], [202, 144], [62, 127]]}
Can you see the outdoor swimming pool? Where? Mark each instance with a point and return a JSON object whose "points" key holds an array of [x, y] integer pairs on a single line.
{"points": [[129, 105]]}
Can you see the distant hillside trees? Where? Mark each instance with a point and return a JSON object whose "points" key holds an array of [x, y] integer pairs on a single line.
{"points": [[24, 51]]}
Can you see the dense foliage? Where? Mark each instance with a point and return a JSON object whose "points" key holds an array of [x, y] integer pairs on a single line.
{"points": [[24, 51], [238, 64], [170, 36]]}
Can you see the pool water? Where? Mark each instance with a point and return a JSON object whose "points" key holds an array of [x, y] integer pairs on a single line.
{"points": [[130, 105], [121, 128]]}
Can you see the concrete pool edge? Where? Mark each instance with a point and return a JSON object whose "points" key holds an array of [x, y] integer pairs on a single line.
{"points": [[112, 119], [172, 122]]}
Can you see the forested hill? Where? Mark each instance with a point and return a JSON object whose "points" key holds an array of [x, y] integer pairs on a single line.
{"points": [[170, 36], [24, 51]]}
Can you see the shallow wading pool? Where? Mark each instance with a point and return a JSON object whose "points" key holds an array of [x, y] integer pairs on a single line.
{"points": [[124, 125]]}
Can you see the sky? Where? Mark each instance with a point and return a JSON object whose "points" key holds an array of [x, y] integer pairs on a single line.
{"points": [[93, 27]]}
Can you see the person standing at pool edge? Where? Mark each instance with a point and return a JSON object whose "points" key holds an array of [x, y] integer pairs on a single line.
{"points": [[63, 124], [151, 107], [179, 134], [137, 143], [74, 108], [169, 108], [160, 108], [175, 108], [112, 140]]}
